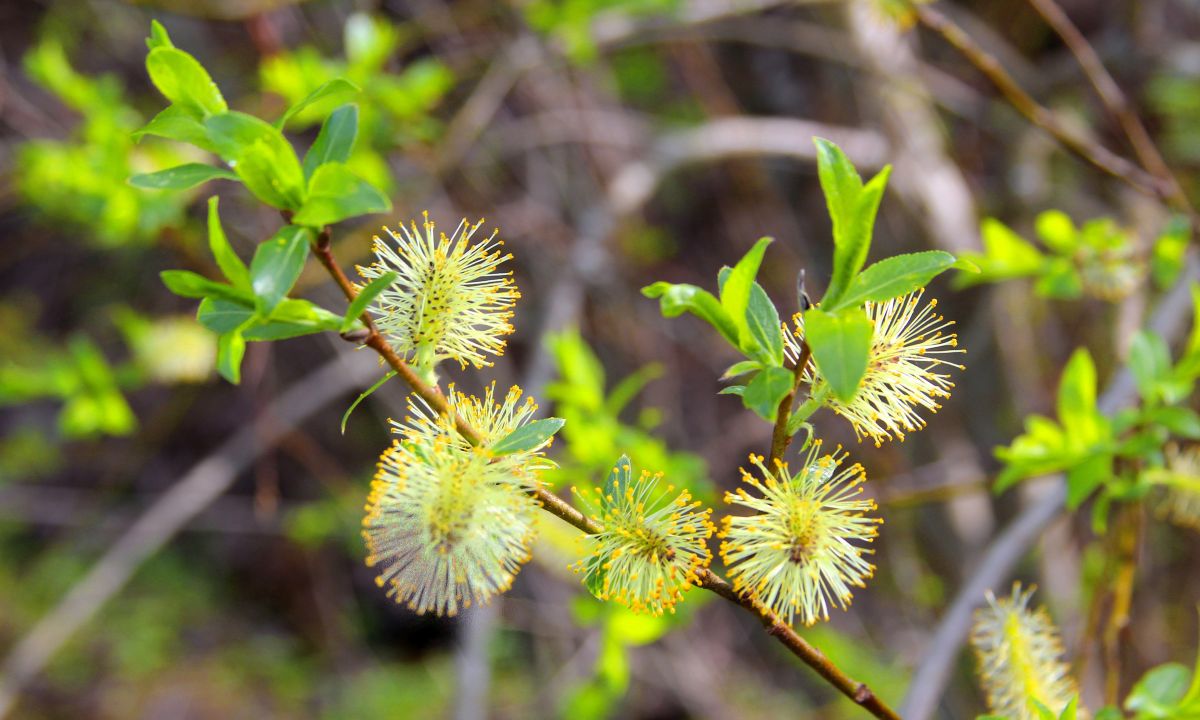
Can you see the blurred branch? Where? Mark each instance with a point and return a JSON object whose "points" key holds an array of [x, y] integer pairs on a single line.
{"points": [[1043, 117], [203, 484], [933, 670], [1110, 93], [730, 137]]}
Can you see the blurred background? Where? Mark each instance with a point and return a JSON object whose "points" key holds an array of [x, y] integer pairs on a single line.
{"points": [[172, 546]]}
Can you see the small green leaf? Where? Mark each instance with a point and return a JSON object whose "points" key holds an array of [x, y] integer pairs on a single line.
{"points": [[231, 347], [261, 157], [1169, 253], [1077, 399], [674, 300], [741, 368], [528, 437], [365, 394], [335, 193], [158, 36], [365, 297], [618, 480], [181, 177], [293, 317], [1180, 421], [762, 324], [335, 141], [1006, 255], [175, 123], [766, 390], [334, 91], [231, 265], [191, 285], [1055, 229], [735, 290], [841, 346], [184, 81], [1158, 693], [1087, 475], [894, 277], [277, 264], [739, 390], [1150, 363]]}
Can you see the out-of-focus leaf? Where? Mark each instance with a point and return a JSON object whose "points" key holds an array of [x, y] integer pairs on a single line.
{"points": [[181, 177]]}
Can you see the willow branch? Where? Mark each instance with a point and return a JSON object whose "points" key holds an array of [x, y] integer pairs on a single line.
{"points": [[1038, 114], [781, 631], [1111, 95], [780, 437]]}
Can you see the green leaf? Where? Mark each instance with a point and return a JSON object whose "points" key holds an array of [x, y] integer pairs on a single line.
{"points": [[1059, 279], [181, 177], [1169, 253], [1055, 229], [841, 345], [1183, 422], [528, 437], [1158, 693], [1006, 255], [277, 264], [365, 297], [893, 277], [231, 347], [1087, 475], [335, 141], [261, 157], [741, 368], [852, 208], [674, 300], [762, 324], [766, 390], [735, 290], [335, 193], [1150, 363], [618, 481], [174, 123], [739, 390], [365, 394], [336, 90], [191, 285], [158, 36], [632, 384], [184, 81], [231, 265], [1077, 400]]}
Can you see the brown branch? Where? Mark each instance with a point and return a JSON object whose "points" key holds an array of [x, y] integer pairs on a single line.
{"points": [[1112, 96], [780, 437], [811, 656], [1129, 525], [1040, 115]]}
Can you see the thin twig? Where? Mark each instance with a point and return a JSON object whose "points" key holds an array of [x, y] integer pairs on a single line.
{"points": [[1038, 114], [814, 658], [1129, 526], [780, 437], [1112, 96]]}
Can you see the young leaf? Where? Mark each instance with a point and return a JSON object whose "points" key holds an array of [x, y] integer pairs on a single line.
{"points": [[364, 298], [528, 437], [766, 390], [1150, 363], [852, 208], [1180, 421], [181, 177], [893, 277], [735, 290], [335, 193], [330, 92], [1077, 400], [335, 141], [190, 285], [184, 81], [175, 123], [231, 347], [1086, 475], [261, 157], [231, 265], [762, 324], [1006, 255], [365, 394], [158, 36], [277, 264], [618, 479], [741, 368], [841, 345], [674, 300]]}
